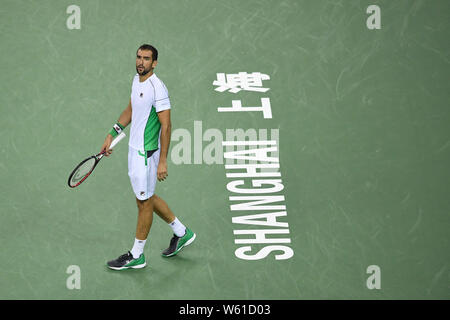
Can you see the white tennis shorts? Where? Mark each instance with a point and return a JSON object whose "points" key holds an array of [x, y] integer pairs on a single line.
{"points": [[142, 172]]}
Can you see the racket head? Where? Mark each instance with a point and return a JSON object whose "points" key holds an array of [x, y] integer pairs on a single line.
{"points": [[83, 170]]}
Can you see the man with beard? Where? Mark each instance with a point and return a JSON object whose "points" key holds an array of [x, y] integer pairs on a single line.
{"points": [[149, 114]]}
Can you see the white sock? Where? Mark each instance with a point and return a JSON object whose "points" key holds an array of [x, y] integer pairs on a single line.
{"points": [[178, 228], [138, 248]]}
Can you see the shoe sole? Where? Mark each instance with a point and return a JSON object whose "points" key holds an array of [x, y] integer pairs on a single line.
{"points": [[184, 245], [139, 266]]}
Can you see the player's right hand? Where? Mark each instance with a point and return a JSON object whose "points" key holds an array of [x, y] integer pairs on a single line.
{"points": [[106, 144]]}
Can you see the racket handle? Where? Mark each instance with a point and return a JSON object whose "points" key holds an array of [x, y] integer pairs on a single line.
{"points": [[117, 139], [113, 144]]}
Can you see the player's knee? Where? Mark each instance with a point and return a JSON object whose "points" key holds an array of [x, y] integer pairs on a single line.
{"points": [[145, 201]]}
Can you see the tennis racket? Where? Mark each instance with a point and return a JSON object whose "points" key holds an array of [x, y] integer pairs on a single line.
{"points": [[85, 168]]}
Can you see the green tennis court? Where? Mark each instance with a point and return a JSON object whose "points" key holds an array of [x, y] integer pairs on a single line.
{"points": [[359, 103]]}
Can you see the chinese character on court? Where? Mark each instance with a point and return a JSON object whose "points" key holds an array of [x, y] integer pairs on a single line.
{"points": [[236, 106], [241, 81]]}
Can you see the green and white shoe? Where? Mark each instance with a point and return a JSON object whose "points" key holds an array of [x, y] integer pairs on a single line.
{"points": [[126, 261], [178, 243]]}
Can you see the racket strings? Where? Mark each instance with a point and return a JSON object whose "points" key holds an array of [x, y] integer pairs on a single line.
{"points": [[83, 170]]}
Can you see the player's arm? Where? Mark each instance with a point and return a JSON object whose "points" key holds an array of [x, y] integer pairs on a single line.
{"points": [[124, 120], [125, 117], [166, 127]]}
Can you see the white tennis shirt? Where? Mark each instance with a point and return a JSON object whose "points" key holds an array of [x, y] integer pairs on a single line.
{"points": [[147, 99]]}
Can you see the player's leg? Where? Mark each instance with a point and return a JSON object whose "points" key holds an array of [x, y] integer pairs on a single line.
{"points": [[162, 209], [143, 177], [139, 172], [145, 218], [182, 236], [144, 223]]}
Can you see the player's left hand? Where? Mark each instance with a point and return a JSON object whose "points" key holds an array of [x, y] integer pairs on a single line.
{"points": [[161, 172]]}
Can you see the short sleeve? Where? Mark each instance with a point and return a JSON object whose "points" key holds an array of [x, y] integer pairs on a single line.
{"points": [[162, 101]]}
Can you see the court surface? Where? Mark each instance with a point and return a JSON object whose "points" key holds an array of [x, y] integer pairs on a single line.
{"points": [[360, 116]]}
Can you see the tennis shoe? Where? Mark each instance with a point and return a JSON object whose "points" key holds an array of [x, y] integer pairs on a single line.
{"points": [[126, 261], [178, 243]]}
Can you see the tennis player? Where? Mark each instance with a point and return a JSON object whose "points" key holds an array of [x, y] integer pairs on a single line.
{"points": [[149, 114]]}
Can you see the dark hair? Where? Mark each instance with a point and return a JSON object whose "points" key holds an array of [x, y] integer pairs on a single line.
{"points": [[151, 48]]}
